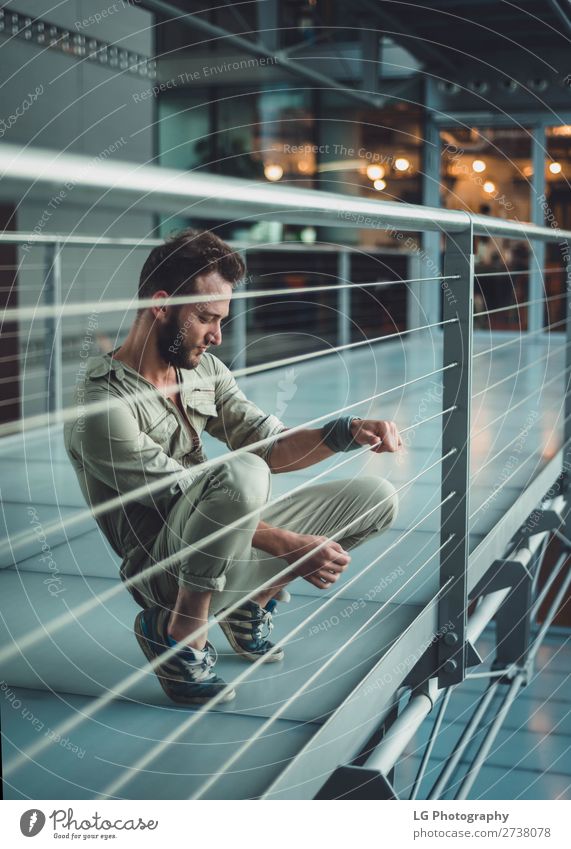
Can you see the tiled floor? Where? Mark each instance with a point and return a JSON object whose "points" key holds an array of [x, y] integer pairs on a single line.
{"points": [[60, 675]]}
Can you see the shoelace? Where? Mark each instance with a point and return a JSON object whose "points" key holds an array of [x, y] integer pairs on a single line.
{"points": [[257, 630], [201, 668]]}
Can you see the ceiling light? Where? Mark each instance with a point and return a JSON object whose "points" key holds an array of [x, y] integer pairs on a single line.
{"points": [[308, 235], [273, 173], [489, 187], [402, 164], [509, 85], [375, 172], [478, 86], [478, 165], [555, 167], [538, 84], [380, 185]]}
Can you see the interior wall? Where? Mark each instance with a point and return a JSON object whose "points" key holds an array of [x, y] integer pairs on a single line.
{"points": [[80, 107]]}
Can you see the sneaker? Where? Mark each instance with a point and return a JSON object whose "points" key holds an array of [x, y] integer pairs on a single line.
{"points": [[186, 677], [247, 630]]}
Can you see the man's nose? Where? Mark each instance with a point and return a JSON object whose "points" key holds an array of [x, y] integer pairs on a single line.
{"points": [[215, 337]]}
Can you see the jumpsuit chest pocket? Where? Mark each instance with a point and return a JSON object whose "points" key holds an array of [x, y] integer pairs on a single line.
{"points": [[200, 405], [162, 428]]}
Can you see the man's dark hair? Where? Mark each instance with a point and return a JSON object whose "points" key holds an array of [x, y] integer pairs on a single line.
{"points": [[175, 265]]}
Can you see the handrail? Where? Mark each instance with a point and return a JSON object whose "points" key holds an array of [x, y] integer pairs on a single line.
{"points": [[212, 196]]}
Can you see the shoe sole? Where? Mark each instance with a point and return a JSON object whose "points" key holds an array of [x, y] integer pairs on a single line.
{"points": [[151, 657], [251, 657]]}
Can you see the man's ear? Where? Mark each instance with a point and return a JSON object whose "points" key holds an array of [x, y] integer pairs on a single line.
{"points": [[160, 310]]}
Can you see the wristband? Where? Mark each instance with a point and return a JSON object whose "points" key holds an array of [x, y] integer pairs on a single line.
{"points": [[337, 434]]}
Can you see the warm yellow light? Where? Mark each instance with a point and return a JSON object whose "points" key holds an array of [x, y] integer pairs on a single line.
{"points": [[303, 166], [375, 172], [555, 167], [380, 185], [528, 171], [478, 165], [489, 187], [273, 172], [402, 164]]}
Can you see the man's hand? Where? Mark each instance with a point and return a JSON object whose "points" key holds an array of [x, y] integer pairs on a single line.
{"points": [[323, 567], [380, 435]]}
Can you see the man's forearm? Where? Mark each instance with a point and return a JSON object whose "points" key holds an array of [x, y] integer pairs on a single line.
{"points": [[275, 541], [303, 448]]}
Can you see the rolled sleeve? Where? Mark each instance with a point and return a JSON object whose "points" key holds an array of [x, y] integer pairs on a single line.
{"points": [[240, 422]]}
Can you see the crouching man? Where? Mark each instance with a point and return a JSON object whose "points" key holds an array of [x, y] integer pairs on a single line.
{"points": [[144, 407]]}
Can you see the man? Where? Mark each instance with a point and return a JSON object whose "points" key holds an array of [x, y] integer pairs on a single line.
{"points": [[145, 405]]}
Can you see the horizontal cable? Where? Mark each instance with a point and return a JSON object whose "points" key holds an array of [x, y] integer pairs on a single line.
{"points": [[81, 610], [70, 413], [515, 271], [325, 665], [522, 337], [313, 354], [519, 371], [21, 398], [11, 379], [125, 304], [27, 267], [506, 480], [101, 701], [502, 485], [119, 501], [522, 304], [519, 403], [13, 357], [61, 621], [149, 756], [482, 466]]}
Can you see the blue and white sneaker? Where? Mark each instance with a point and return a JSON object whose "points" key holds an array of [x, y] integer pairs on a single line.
{"points": [[188, 676], [247, 630]]}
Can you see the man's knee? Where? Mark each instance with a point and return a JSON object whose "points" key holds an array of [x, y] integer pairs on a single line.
{"points": [[244, 479], [381, 499]]}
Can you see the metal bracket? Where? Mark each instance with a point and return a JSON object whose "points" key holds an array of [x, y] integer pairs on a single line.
{"points": [[547, 520], [526, 671], [427, 667], [357, 782], [501, 574]]}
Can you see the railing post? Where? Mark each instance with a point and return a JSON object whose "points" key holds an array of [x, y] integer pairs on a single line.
{"points": [[344, 299], [457, 392], [53, 328], [239, 324]]}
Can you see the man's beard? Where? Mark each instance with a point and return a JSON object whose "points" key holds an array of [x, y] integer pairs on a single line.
{"points": [[171, 342]]}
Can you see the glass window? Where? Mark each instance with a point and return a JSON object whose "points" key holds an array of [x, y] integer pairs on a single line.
{"points": [[488, 171]]}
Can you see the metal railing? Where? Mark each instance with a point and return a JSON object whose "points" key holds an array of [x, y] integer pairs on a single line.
{"points": [[464, 575]]}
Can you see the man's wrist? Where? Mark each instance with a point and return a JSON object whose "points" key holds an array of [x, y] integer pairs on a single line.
{"points": [[339, 434]]}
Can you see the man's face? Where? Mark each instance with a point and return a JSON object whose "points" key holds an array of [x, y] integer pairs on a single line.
{"points": [[188, 330]]}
